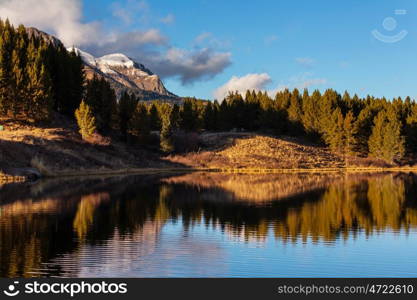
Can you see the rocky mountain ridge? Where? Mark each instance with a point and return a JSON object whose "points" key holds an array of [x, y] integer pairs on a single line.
{"points": [[122, 72]]}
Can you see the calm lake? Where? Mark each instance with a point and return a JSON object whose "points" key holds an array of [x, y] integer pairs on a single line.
{"points": [[211, 225]]}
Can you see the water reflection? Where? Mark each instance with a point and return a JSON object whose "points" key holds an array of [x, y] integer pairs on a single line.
{"points": [[186, 225]]}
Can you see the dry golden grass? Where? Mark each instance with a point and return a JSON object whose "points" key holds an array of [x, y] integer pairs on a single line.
{"points": [[58, 149], [251, 151], [268, 152]]}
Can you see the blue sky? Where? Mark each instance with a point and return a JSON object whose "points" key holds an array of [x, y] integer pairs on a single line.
{"points": [[314, 44]]}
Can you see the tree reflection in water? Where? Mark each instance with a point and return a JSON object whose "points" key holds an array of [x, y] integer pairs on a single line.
{"points": [[57, 219]]}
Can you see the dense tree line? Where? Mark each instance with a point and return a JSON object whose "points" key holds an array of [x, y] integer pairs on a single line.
{"points": [[348, 124], [36, 76]]}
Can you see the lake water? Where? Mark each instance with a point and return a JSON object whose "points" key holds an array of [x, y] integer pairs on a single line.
{"points": [[211, 225]]}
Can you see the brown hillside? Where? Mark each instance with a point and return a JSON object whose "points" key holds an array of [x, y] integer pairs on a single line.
{"points": [[254, 151], [59, 148]]}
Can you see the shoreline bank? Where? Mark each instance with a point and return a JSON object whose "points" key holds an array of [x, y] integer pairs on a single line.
{"points": [[9, 178]]}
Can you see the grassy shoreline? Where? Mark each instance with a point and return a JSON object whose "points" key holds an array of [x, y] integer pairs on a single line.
{"points": [[4, 178]]}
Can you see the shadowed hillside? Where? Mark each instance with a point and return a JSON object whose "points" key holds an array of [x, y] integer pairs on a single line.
{"points": [[59, 148]]}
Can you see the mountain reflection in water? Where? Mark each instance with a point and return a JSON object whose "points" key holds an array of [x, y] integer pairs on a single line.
{"points": [[193, 224]]}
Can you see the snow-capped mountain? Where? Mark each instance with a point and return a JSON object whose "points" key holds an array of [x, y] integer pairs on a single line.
{"points": [[123, 73]]}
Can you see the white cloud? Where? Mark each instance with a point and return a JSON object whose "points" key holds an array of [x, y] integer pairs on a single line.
{"points": [[256, 81], [168, 19], [130, 41], [191, 65], [64, 19], [60, 17], [305, 61]]}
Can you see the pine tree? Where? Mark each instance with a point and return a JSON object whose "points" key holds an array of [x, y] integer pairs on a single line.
{"points": [[6, 50], [252, 109], [175, 116], [216, 115], [66, 70], [209, 117], [126, 108], [266, 120], [328, 103], [39, 86], [310, 118], [102, 100], [394, 141], [282, 99], [154, 118], [363, 129], [376, 140], [225, 116], [108, 106], [85, 120], [76, 69], [20, 79], [139, 124], [411, 130], [386, 141], [349, 132], [188, 116], [237, 110], [249, 96], [334, 134], [295, 112], [166, 135]]}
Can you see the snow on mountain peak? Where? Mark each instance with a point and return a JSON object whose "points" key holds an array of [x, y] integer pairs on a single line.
{"points": [[86, 57], [122, 72], [111, 60], [116, 60]]}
